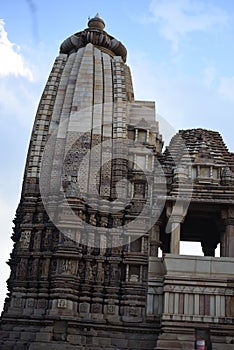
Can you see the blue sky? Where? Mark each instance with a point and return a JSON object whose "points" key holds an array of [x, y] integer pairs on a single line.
{"points": [[180, 53]]}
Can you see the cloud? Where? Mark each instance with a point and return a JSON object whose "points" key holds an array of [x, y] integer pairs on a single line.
{"points": [[11, 59], [177, 18], [18, 99]]}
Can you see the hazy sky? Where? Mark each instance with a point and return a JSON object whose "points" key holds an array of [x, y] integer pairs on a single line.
{"points": [[180, 53]]}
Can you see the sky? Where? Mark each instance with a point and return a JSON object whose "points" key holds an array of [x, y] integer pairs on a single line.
{"points": [[180, 53]]}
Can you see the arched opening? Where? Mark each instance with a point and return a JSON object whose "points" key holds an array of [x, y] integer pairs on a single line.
{"points": [[200, 233]]}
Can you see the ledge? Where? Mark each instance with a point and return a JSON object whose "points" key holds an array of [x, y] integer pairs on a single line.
{"points": [[220, 267]]}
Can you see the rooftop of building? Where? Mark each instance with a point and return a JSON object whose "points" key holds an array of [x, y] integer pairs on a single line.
{"points": [[95, 35]]}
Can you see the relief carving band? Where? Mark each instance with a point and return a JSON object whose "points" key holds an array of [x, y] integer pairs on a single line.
{"points": [[100, 274], [33, 268], [68, 266], [37, 240], [96, 308], [139, 190], [89, 272], [111, 309], [47, 240], [84, 308], [28, 218], [41, 304], [30, 303], [133, 311], [17, 303], [40, 218], [62, 303], [65, 266], [22, 269], [25, 239], [114, 273]]}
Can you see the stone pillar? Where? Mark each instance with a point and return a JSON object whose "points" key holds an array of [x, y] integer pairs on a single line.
{"points": [[147, 136], [176, 214], [223, 241], [136, 134], [154, 240], [230, 237], [227, 239], [175, 236]]}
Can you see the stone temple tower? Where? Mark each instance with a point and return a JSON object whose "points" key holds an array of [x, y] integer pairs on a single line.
{"points": [[79, 264], [99, 199]]}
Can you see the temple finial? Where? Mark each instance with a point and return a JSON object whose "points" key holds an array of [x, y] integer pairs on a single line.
{"points": [[96, 22]]}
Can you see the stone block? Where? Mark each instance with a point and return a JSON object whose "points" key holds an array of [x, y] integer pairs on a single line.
{"points": [[186, 337], [6, 327], [5, 334], [222, 346], [164, 344], [27, 336], [74, 331], [102, 341], [51, 346], [54, 346], [74, 339], [43, 337], [119, 343], [22, 346], [48, 329], [7, 346], [141, 344]]}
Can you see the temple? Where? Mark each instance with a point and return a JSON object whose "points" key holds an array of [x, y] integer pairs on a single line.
{"points": [[101, 198]]}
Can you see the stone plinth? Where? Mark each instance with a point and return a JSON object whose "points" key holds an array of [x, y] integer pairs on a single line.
{"points": [[197, 295]]}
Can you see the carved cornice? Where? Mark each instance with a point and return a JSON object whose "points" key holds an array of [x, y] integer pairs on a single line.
{"points": [[96, 36]]}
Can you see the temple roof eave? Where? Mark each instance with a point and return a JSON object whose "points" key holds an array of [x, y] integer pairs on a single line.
{"points": [[96, 37]]}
